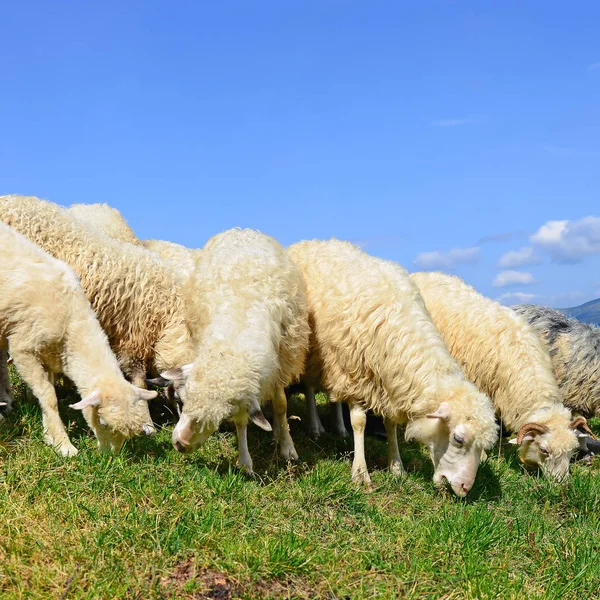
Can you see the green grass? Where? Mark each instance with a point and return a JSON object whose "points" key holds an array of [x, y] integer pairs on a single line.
{"points": [[151, 523]]}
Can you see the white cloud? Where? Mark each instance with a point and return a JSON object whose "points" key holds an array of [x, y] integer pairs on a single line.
{"points": [[518, 258], [569, 241], [452, 122], [508, 278], [441, 260], [594, 67], [513, 298]]}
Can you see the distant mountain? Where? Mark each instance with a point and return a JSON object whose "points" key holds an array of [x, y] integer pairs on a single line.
{"points": [[588, 312]]}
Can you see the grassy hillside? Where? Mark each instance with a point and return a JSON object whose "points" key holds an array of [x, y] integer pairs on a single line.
{"points": [[151, 523], [588, 312]]}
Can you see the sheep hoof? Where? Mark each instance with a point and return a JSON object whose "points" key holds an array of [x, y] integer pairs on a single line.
{"points": [[397, 469], [361, 476], [343, 433], [246, 469], [315, 432], [289, 453], [68, 450]]}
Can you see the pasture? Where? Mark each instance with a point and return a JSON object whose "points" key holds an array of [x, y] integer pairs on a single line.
{"points": [[151, 523]]}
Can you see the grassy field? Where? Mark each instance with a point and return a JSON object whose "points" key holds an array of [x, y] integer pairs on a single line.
{"points": [[151, 523]]}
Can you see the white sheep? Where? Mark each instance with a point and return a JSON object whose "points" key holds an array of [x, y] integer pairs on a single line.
{"points": [[254, 343], [48, 326], [187, 265], [505, 358], [575, 353], [373, 345]]}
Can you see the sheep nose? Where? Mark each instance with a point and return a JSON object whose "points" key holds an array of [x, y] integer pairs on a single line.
{"points": [[466, 487], [179, 446]]}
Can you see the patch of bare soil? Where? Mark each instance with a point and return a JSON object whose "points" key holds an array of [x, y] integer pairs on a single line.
{"points": [[212, 584]]}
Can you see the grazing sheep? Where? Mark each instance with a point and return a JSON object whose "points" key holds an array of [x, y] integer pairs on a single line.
{"points": [[254, 343], [185, 263], [48, 326], [138, 301], [106, 219], [504, 357], [575, 352], [373, 346]]}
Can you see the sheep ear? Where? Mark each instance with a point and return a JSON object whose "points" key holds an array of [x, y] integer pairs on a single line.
{"points": [[513, 441], [89, 401], [146, 394], [257, 417], [443, 412], [178, 375]]}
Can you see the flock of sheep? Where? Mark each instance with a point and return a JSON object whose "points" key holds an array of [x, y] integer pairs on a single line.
{"points": [[227, 328]]}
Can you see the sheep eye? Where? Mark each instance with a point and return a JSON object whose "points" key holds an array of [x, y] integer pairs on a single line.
{"points": [[460, 441], [544, 451]]}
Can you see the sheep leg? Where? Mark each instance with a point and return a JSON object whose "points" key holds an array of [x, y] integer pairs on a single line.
{"points": [[314, 426], [5, 390], [358, 418], [40, 383], [394, 461], [244, 458], [339, 427], [286, 444]]}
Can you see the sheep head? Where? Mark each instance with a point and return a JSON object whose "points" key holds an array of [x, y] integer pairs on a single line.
{"points": [[117, 411], [206, 404], [547, 448], [455, 444]]}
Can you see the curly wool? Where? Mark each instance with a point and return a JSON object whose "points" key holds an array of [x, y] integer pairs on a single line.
{"points": [[575, 353], [373, 342], [136, 298], [256, 337], [499, 352], [106, 219], [181, 258]]}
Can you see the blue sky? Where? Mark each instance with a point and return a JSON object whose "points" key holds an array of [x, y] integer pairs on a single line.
{"points": [[438, 134]]}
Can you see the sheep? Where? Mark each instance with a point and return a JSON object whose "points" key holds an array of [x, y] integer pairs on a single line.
{"points": [[185, 264], [575, 353], [373, 346], [48, 325], [106, 219], [254, 343], [139, 302], [504, 357]]}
